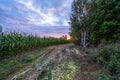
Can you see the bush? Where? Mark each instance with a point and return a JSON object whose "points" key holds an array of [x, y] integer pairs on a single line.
{"points": [[110, 59]]}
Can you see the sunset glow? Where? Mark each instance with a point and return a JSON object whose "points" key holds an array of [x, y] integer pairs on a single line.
{"points": [[68, 37]]}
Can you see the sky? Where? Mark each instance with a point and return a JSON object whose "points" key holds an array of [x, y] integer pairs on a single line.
{"points": [[39, 17]]}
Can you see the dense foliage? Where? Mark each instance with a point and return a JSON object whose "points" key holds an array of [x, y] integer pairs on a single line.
{"points": [[78, 19], [105, 24], [109, 57], [14, 43], [99, 17]]}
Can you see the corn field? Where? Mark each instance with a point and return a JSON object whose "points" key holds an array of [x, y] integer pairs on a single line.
{"points": [[15, 43]]}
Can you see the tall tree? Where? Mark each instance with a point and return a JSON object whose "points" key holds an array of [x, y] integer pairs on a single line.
{"points": [[95, 20], [106, 23], [79, 21]]}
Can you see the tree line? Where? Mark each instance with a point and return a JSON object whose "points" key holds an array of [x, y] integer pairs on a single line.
{"points": [[93, 21]]}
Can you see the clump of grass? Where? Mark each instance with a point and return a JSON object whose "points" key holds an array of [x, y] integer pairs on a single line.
{"points": [[20, 75], [66, 71], [44, 71], [105, 77]]}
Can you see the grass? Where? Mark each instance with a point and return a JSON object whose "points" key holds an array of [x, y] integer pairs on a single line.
{"points": [[65, 71], [20, 76], [105, 77], [45, 73], [14, 64]]}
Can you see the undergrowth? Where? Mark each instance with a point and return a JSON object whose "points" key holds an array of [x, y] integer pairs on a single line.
{"points": [[109, 57]]}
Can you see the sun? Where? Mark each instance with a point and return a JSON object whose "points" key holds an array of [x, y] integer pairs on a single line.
{"points": [[68, 38]]}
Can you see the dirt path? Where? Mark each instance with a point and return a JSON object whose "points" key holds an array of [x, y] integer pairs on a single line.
{"points": [[27, 67], [64, 62]]}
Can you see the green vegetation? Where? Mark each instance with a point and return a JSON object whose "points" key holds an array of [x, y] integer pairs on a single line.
{"points": [[65, 71], [15, 43], [100, 20], [44, 71], [59, 68], [109, 58], [105, 77], [14, 64], [67, 68], [105, 21], [19, 76]]}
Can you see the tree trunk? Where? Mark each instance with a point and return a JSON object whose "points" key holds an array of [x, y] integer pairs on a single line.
{"points": [[84, 44], [84, 38]]}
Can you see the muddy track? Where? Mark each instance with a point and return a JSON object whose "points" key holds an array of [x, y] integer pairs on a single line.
{"points": [[28, 66], [65, 58]]}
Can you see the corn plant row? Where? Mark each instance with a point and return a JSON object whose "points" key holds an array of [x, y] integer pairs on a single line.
{"points": [[14, 43]]}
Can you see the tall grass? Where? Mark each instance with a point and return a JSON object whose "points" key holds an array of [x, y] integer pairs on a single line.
{"points": [[14, 43]]}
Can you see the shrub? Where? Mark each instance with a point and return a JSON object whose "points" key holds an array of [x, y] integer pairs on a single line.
{"points": [[110, 58]]}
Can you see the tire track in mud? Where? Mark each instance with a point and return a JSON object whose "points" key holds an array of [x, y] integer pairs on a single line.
{"points": [[31, 73], [66, 58], [28, 66]]}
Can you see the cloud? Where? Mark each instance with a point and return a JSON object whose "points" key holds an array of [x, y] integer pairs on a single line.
{"points": [[36, 16], [27, 15], [50, 15]]}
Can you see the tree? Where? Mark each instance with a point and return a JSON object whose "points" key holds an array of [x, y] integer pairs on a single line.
{"points": [[79, 21], [106, 23], [95, 20], [75, 21]]}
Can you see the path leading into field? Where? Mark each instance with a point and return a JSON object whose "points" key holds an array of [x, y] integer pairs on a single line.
{"points": [[63, 62]]}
